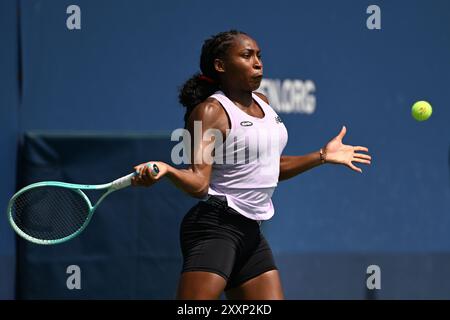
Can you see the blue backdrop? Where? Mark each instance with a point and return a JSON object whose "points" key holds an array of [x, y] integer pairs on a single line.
{"points": [[120, 73], [9, 110]]}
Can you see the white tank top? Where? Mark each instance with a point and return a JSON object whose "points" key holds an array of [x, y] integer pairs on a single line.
{"points": [[247, 167]]}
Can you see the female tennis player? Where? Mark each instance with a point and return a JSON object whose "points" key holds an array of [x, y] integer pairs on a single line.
{"points": [[222, 246]]}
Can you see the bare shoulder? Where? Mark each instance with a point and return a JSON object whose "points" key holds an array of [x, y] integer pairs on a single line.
{"points": [[208, 109], [210, 112], [263, 97]]}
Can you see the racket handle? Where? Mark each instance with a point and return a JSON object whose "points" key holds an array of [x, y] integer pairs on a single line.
{"points": [[122, 182], [126, 180], [155, 169]]}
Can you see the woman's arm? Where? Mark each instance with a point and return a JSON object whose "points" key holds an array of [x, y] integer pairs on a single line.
{"points": [[195, 179], [334, 152], [290, 166]]}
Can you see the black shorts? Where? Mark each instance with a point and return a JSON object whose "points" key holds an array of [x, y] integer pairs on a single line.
{"points": [[216, 238]]}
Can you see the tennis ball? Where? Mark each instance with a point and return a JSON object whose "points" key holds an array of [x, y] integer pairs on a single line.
{"points": [[421, 110]]}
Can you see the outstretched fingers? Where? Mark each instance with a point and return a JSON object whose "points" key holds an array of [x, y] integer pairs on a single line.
{"points": [[359, 148], [353, 167], [362, 156], [361, 160]]}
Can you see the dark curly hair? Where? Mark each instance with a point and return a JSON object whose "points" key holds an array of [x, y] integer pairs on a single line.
{"points": [[197, 88]]}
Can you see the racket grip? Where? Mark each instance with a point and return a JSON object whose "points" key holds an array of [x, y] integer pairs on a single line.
{"points": [[122, 182], [126, 180], [155, 169]]}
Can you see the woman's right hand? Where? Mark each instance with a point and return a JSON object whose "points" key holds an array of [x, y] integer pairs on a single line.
{"points": [[144, 176]]}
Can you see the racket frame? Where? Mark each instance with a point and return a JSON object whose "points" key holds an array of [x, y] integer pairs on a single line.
{"points": [[117, 184], [74, 187]]}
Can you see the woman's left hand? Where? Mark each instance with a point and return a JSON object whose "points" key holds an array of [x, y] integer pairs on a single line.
{"points": [[339, 153]]}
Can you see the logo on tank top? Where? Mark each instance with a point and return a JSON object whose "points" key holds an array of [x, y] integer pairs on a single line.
{"points": [[246, 123], [278, 119]]}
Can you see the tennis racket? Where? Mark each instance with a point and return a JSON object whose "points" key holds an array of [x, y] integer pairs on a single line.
{"points": [[52, 212]]}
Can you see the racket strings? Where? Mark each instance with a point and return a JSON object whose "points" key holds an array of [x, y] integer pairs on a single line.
{"points": [[50, 212]]}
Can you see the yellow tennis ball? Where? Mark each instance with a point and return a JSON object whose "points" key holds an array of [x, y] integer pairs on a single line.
{"points": [[421, 110]]}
